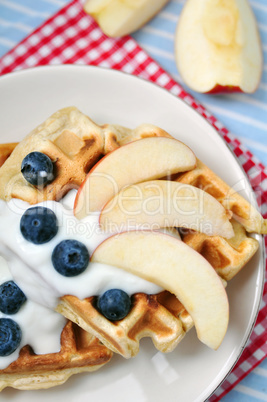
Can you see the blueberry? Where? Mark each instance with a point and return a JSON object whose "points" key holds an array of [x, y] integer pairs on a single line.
{"points": [[11, 297], [114, 304], [10, 336], [37, 169], [38, 225], [70, 258]]}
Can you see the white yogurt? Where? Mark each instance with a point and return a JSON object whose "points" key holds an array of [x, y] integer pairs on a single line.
{"points": [[31, 264], [32, 269], [41, 327]]}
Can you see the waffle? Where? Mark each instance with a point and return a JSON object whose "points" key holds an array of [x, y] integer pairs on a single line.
{"points": [[204, 178], [80, 352], [6, 150], [74, 143], [161, 317], [227, 257]]}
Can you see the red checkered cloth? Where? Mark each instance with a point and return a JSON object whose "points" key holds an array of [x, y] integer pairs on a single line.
{"points": [[71, 36]]}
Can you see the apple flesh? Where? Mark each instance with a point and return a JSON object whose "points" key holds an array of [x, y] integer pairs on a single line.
{"points": [[161, 203], [176, 267], [121, 17], [145, 159], [218, 47]]}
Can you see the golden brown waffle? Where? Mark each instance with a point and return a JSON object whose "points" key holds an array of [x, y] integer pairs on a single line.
{"points": [[6, 150], [74, 143], [161, 317], [204, 178], [227, 257], [148, 318], [80, 352]]}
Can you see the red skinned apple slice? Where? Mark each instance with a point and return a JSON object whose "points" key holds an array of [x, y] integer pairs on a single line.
{"points": [[178, 268], [145, 159], [160, 203], [217, 46]]}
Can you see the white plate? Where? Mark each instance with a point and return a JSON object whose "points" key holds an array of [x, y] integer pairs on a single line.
{"points": [[192, 371]]}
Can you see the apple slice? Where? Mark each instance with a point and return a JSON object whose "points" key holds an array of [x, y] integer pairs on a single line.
{"points": [[145, 159], [217, 46], [176, 267], [161, 203], [121, 17]]}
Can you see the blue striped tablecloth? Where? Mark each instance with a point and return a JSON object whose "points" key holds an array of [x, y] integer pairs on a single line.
{"points": [[244, 115]]}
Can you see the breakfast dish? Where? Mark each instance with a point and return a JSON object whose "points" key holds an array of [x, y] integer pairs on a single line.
{"points": [[157, 298], [173, 371]]}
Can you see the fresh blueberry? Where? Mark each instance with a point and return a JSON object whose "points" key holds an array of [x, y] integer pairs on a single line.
{"points": [[10, 336], [70, 258], [11, 297], [38, 225], [37, 169], [114, 304]]}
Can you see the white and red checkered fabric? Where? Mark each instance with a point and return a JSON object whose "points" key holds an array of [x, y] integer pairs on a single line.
{"points": [[71, 36]]}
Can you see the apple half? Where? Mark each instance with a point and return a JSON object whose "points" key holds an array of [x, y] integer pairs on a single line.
{"points": [[176, 267], [144, 159], [161, 203], [218, 47], [121, 17]]}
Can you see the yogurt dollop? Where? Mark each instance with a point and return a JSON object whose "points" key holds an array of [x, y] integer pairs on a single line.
{"points": [[31, 264], [41, 327]]}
